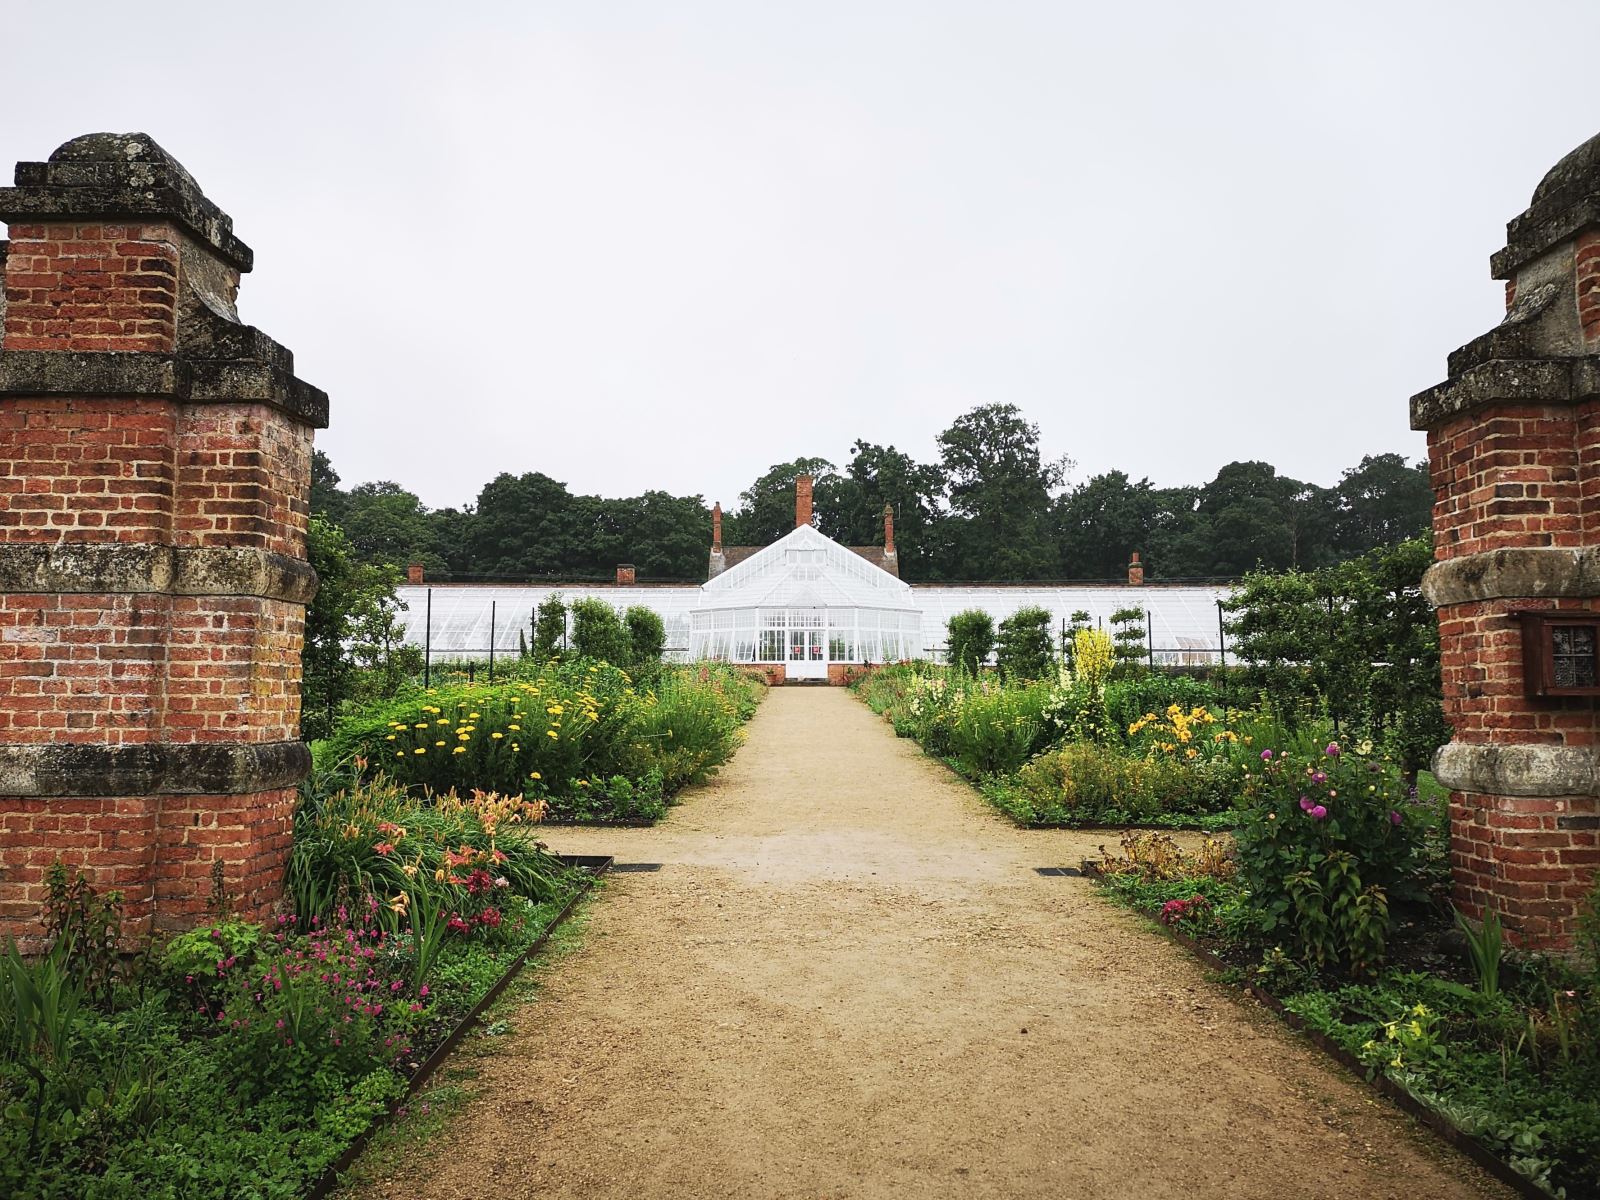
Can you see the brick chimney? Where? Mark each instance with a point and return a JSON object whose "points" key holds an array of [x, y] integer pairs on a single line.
{"points": [[625, 575], [718, 563], [802, 501], [1135, 571], [891, 560], [414, 573]]}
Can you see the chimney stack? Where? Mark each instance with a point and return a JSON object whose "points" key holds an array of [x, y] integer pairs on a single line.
{"points": [[414, 573], [625, 575], [888, 531], [1135, 571], [802, 501], [717, 563]]}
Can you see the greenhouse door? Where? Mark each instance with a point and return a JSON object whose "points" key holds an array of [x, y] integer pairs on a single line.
{"points": [[807, 655]]}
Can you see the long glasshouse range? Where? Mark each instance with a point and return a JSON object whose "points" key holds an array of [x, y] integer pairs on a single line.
{"points": [[805, 604]]}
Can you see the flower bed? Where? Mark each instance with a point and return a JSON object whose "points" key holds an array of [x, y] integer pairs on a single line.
{"points": [[579, 738], [1331, 898], [1057, 754], [241, 1058]]}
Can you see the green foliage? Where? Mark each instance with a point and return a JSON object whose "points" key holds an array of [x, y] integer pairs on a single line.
{"points": [[354, 650], [1324, 844], [970, 637], [1024, 644], [1356, 641], [577, 736], [87, 926], [1483, 946], [1128, 628], [1088, 784], [647, 635], [995, 729], [598, 633], [1131, 697], [550, 628]]}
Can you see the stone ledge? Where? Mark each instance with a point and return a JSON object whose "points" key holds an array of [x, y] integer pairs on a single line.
{"points": [[1516, 381], [1513, 573], [161, 769], [1517, 770], [114, 568], [163, 376]]}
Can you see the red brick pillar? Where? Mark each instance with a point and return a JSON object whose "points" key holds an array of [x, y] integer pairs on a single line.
{"points": [[802, 501], [155, 458], [1514, 452]]}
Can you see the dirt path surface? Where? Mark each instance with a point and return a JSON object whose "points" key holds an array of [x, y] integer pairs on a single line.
{"points": [[848, 981]]}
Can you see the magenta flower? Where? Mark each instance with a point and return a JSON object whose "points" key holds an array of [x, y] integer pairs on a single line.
{"points": [[1319, 777], [1266, 756], [1333, 750], [1394, 817], [1318, 812]]}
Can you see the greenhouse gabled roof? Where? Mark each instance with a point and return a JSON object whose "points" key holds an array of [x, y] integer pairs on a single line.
{"points": [[805, 569]]}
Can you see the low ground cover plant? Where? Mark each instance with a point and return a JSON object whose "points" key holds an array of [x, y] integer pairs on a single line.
{"points": [[239, 1059]]}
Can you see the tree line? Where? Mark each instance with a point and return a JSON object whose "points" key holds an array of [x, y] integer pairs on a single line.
{"points": [[992, 507]]}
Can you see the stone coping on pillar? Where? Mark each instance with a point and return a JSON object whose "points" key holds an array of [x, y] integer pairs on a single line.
{"points": [[107, 568], [34, 373], [1523, 572], [1565, 202], [1509, 769], [1511, 381], [115, 176], [154, 769]]}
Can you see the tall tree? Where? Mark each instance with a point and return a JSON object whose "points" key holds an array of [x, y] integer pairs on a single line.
{"points": [[881, 475], [999, 488], [1382, 501], [766, 507]]}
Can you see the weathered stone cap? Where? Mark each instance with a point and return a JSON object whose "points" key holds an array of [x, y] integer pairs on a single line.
{"points": [[102, 176], [1566, 201]]}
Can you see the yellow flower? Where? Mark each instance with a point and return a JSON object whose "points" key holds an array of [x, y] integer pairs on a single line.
{"points": [[419, 750], [535, 775], [399, 753], [472, 716], [438, 743], [459, 750], [551, 733], [497, 736], [515, 728], [390, 738]]}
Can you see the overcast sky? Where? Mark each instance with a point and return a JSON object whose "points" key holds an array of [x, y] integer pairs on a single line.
{"points": [[665, 245]]}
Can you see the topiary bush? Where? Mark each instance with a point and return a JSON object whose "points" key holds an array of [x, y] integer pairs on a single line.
{"points": [[598, 633], [970, 636], [1025, 651]]}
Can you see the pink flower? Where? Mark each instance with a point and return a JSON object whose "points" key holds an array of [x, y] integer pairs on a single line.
{"points": [[1319, 777], [1305, 803], [1266, 756], [384, 847], [1333, 750], [423, 990], [1318, 812], [1394, 817]]}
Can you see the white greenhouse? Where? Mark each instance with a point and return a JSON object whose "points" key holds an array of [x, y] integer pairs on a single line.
{"points": [[805, 601]]}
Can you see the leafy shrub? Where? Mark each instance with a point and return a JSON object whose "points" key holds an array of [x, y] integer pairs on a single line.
{"points": [[549, 628], [1325, 842], [598, 633], [1089, 784], [1129, 626], [1132, 697], [992, 729], [647, 634], [970, 636], [1024, 647]]}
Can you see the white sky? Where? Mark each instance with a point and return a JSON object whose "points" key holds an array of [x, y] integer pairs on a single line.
{"points": [[666, 245]]}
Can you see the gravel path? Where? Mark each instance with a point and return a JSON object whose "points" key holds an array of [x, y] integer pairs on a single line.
{"points": [[848, 981]]}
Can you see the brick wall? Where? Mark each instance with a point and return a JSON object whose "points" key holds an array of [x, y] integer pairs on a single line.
{"points": [[155, 461]]}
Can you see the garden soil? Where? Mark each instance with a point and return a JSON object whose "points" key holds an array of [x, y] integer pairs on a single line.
{"points": [[847, 980]]}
